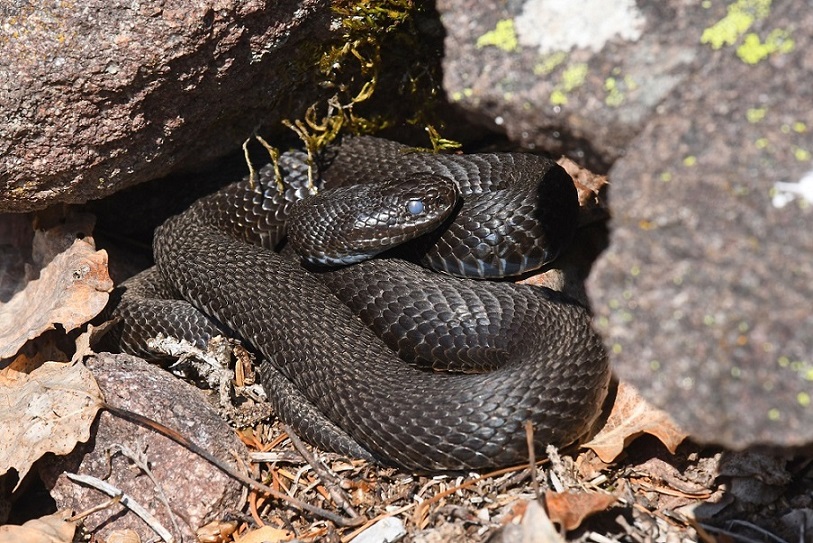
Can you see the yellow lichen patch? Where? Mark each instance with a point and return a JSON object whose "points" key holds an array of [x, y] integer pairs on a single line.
{"points": [[504, 36], [572, 78], [549, 63], [690, 161], [799, 127], [800, 154], [753, 50], [755, 114], [459, 95], [739, 17]]}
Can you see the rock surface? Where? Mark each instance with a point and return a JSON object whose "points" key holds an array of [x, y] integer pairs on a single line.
{"points": [[197, 491], [559, 76], [704, 294], [98, 95]]}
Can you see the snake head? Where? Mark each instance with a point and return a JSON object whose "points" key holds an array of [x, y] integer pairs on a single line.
{"points": [[349, 224]]}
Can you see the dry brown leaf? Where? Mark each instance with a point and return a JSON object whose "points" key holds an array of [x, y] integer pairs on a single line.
{"points": [[123, 536], [72, 289], [264, 534], [630, 417], [588, 186], [51, 529], [569, 509], [535, 526], [49, 409]]}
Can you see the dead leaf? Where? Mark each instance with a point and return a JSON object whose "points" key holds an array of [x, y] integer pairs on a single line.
{"points": [[630, 417], [123, 536], [569, 509], [51, 529], [72, 289], [592, 207], [49, 409], [264, 534], [217, 531], [535, 527]]}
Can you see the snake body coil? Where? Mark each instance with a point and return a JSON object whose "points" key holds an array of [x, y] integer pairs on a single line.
{"points": [[508, 353]]}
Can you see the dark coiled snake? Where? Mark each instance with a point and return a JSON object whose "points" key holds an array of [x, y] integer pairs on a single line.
{"points": [[383, 358]]}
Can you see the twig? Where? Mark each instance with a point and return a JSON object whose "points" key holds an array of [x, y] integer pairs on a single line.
{"points": [[126, 501], [138, 458], [252, 173], [328, 478], [529, 437], [422, 508], [254, 485], [274, 153]]}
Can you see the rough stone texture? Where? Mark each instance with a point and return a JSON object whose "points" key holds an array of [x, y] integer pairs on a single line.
{"points": [[99, 95], [564, 76], [704, 294], [197, 491]]}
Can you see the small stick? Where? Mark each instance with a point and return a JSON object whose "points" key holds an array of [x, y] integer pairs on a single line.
{"points": [[328, 478], [250, 483], [529, 437], [126, 501]]}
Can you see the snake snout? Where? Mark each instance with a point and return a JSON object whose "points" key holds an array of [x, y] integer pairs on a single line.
{"points": [[349, 224]]}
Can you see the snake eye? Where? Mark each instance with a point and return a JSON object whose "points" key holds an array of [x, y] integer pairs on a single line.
{"points": [[415, 207]]}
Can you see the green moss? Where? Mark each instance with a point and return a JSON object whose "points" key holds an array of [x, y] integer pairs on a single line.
{"points": [[380, 44], [504, 36]]}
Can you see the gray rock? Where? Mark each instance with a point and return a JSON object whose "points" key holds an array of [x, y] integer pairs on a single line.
{"points": [[705, 292], [581, 77], [96, 96], [197, 491]]}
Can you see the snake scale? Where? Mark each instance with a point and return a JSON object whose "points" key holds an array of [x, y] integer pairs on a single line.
{"points": [[384, 359]]}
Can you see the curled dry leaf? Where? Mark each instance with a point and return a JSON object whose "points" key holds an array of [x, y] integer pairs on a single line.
{"points": [[264, 534], [72, 289], [569, 509], [50, 529], [47, 410], [589, 186], [630, 417]]}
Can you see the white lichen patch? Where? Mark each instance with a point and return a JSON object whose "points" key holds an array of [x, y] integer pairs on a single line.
{"points": [[784, 193], [561, 25]]}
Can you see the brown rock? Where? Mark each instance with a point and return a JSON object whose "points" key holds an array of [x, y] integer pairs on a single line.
{"points": [[97, 96], [197, 491]]}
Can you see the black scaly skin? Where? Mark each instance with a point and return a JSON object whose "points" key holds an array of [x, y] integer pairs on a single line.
{"points": [[540, 359]]}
